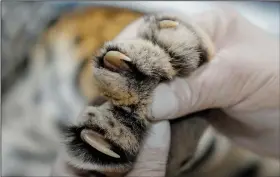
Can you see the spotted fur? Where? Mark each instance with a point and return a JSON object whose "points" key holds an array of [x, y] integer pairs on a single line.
{"points": [[59, 83], [159, 55], [56, 84]]}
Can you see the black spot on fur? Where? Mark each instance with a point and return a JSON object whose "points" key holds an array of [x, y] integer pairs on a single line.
{"points": [[111, 123], [91, 114], [131, 121]]}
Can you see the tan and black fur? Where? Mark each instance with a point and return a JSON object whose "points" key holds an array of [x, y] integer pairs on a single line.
{"points": [[57, 82], [60, 81], [123, 120], [159, 54]]}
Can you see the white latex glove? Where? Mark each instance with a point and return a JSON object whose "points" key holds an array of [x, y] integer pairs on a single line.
{"points": [[242, 80]]}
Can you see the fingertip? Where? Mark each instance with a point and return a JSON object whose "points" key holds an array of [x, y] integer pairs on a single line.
{"points": [[152, 159], [215, 21], [159, 135], [164, 104]]}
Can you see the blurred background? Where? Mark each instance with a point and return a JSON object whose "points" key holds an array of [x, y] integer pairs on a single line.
{"points": [[45, 70]]}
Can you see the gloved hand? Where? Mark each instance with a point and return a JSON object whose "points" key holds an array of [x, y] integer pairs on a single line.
{"points": [[242, 80]]}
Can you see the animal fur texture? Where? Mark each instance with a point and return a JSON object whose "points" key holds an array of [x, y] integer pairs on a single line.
{"points": [[126, 73], [55, 87], [59, 84]]}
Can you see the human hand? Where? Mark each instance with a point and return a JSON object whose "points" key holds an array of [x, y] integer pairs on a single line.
{"points": [[180, 92], [242, 79]]}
